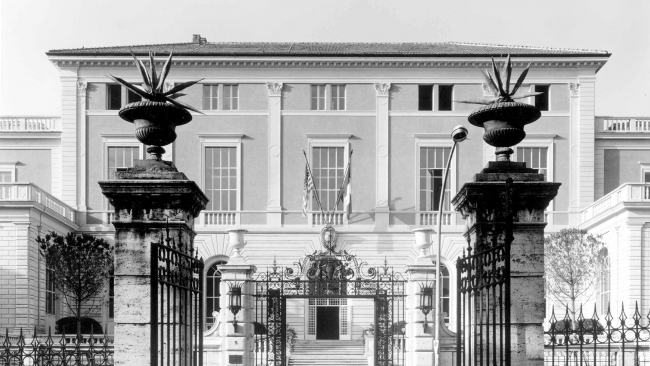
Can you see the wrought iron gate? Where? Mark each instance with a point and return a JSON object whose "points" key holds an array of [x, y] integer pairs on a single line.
{"points": [[176, 304], [483, 295], [329, 274]]}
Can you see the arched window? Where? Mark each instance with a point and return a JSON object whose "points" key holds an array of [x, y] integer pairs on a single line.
{"points": [[212, 293], [445, 292], [605, 281]]}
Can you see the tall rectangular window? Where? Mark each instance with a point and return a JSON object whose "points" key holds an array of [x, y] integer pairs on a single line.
{"points": [[231, 97], [221, 178], [50, 292], [425, 97], [132, 97], [111, 294], [535, 158], [445, 94], [113, 97], [121, 157], [541, 101], [210, 97], [432, 167], [318, 97], [328, 165], [338, 97]]}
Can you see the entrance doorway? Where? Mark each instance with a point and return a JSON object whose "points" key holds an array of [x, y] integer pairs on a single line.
{"points": [[327, 322]]}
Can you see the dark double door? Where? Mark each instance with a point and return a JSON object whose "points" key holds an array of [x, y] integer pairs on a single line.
{"points": [[327, 322]]}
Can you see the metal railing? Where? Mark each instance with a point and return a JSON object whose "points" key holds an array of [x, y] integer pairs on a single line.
{"points": [[591, 341], [627, 192], [57, 350], [33, 193], [626, 125], [20, 124]]}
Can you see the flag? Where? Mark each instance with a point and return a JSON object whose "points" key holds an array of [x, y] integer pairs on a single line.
{"points": [[307, 189], [348, 194]]}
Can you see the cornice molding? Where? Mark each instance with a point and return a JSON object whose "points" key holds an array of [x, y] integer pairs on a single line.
{"points": [[206, 62]]}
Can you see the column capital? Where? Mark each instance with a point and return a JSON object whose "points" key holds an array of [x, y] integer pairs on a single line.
{"points": [[382, 89], [275, 89], [574, 89], [81, 87]]}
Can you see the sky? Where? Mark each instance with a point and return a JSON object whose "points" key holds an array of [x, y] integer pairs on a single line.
{"points": [[30, 86]]}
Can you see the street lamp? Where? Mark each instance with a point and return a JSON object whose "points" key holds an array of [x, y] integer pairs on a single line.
{"points": [[459, 134]]}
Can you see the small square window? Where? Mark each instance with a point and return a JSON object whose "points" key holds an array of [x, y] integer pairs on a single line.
{"points": [[338, 97], [541, 101], [114, 97], [5, 177], [318, 97], [445, 94], [231, 97], [425, 97], [210, 97]]}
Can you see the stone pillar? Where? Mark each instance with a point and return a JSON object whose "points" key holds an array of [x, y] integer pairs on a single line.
{"points": [[274, 206], [480, 202], [382, 210], [148, 199], [237, 342], [82, 207], [419, 351]]}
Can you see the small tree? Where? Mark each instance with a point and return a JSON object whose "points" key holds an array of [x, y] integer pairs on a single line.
{"points": [[572, 266], [81, 266]]}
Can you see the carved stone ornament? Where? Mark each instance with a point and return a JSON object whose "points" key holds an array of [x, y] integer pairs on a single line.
{"points": [[275, 89], [574, 89], [81, 87], [382, 89]]}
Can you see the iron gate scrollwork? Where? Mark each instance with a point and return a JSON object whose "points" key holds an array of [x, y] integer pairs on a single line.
{"points": [[483, 291], [176, 304], [329, 274]]}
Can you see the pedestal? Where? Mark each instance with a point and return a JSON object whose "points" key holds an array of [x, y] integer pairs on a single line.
{"points": [[420, 350], [149, 199], [482, 203], [236, 341]]}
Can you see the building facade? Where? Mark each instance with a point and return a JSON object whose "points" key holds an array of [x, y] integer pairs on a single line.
{"points": [[385, 109]]}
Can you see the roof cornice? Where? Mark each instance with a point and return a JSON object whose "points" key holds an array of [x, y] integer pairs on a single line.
{"points": [[290, 62]]}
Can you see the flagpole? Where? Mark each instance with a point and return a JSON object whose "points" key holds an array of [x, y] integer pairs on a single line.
{"points": [[312, 179], [345, 175]]}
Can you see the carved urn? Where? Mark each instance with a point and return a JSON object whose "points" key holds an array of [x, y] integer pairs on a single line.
{"points": [[504, 122]]}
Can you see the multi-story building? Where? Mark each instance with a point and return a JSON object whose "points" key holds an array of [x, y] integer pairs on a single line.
{"points": [[264, 104]]}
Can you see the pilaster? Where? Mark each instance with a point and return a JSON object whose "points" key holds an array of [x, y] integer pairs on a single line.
{"points": [[236, 340], [420, 347], [69, 135], [574, 153], [83, 175], [382, 209], [586, 140], [274, 206]]}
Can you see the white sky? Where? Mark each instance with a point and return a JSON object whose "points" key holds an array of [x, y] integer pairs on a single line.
{"points": [[30, 84]]}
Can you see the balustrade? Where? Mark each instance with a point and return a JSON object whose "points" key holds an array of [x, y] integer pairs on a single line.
{"points": [[628, 192], [20, 124], [626, 125], [431, 218], [33, 193]]}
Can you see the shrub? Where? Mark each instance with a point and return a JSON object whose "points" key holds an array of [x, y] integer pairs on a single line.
{"points": [[291, 337], [68, 325]]}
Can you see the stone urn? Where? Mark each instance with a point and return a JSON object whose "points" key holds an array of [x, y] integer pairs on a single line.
{"points": [[236, 241], [155, 123], [422, 241], [504, 123]]}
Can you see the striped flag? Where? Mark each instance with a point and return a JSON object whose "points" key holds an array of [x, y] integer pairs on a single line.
{"points": [[307, 189]]}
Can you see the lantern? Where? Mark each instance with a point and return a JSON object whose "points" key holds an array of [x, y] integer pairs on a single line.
{"points": [[426, 301], [234, 297]]}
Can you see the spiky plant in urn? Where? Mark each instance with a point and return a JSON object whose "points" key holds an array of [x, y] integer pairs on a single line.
{"points": [[502, 118], [158, 114]]}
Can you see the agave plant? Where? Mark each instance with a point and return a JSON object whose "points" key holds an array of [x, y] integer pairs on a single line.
{"points": [[500, 88], [153, 84]]}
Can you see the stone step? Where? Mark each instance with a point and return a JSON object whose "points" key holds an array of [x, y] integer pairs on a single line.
{"points": [[328, 353]]}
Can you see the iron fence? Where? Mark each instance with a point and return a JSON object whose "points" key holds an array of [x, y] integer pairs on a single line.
{"points": [[594, 341], [57, 350]]}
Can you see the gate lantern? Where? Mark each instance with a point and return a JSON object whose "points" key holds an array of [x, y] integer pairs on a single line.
{"points": [[234, 297], [426, 301]]}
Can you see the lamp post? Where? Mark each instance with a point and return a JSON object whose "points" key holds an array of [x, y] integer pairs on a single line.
{"points": [[459, 134]]}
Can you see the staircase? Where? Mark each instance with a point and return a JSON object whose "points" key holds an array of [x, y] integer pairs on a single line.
{"points": [[328, 353]]}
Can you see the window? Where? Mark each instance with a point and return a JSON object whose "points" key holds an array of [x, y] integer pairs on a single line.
{"points": [[445, 292], [111, 294], [121, 157], [535, 158], [212, 293], [605, 282], [5, 177], [425, 97], [445, 94], [318, 97], [432, 167], [328, 165], [210, 97], [50, 297], [542, 100], [132, 97], [230, 97], [338, 97], [114, 97], [221, 178]]}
